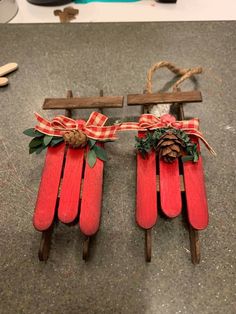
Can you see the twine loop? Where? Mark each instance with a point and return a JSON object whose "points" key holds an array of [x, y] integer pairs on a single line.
{"points": [[184, 73]]}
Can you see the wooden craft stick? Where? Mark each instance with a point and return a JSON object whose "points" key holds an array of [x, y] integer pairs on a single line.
{"points": [[164, 98], [48, 189], [91, 198], [8, 68], [146, 208], [3, 81], [195, 192], [170, 192], [71, 184], [84, 102]]}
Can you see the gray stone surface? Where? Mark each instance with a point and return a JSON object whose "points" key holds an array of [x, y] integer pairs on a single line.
{"points": [[115, 57]]}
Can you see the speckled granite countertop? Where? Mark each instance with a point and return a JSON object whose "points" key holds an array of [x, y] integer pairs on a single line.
{"points": [[115, 57]]}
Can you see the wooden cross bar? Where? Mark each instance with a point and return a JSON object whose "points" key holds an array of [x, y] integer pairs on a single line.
{"points": [[164, 98], [84, 102]]}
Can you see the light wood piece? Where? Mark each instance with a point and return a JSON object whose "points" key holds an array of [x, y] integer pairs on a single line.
{"points": [[8, 68]]}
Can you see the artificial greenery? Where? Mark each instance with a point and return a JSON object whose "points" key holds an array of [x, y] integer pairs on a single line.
{"points": [[95, 151], [41, 141], [145, 144]]}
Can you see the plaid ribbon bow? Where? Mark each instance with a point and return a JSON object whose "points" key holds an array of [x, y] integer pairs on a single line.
{"points": [[94, 128], [151, 122]]}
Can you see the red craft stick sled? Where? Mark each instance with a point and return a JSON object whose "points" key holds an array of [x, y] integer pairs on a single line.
{"points": [[70, 190], [175, 186], [178, 185]]}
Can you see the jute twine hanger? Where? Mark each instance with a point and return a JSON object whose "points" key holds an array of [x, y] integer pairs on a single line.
{"points": [[184, 73]]}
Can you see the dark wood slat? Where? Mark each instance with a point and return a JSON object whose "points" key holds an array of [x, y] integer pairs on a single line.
{"points": [[83, 103], [194, 245], [45, 244], [148, 245], [163, 98]]}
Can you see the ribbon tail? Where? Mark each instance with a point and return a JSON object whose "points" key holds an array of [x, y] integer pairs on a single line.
{"points": [[208, 146], [96, 119], [44, 126]]}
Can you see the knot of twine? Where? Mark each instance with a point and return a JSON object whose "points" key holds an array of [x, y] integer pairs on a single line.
{"points": [[184, 73]]}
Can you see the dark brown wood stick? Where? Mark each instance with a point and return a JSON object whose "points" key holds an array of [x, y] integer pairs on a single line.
{"points": [[193, 233], [194, 245], [148, 245], [86, 248], [68, 112], [45, 244], [163, 98], [84, 102]]}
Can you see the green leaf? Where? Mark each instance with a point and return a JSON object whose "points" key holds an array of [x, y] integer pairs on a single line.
{"points": [[32, 150], [33, 133], [39, 149], [91, 142], [100, 152], [47, 139], [187, 158], [91, 158], [56, 140], [35, 142], [195, 157]]}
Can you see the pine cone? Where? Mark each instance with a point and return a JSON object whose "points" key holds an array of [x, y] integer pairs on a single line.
{"points": [[170, 147], [75, 138]]}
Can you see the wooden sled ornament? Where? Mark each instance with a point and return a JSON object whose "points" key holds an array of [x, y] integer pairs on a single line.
{"points": [[179, 185], [171, 182], [70, 190]]}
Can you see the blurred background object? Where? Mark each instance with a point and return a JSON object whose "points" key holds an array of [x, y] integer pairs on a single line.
{"points": [[8, 9], [49, 2], [167, 1]]}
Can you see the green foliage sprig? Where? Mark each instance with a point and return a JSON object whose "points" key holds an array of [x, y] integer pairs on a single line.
{"points": [[41, 141], [150, 141], [95, 151]]}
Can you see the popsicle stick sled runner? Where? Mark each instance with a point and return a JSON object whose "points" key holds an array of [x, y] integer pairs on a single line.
{"points": [[176, 183], [71, 189]]}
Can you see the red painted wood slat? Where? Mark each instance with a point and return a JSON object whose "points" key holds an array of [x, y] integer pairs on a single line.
{"points": [[146, 207], [195, 193], [48, 189], [71, 184], [170, 193], [91, 198]]}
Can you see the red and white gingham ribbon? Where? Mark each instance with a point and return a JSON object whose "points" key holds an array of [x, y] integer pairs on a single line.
{"points": [[151, 122], [94, 128]]}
